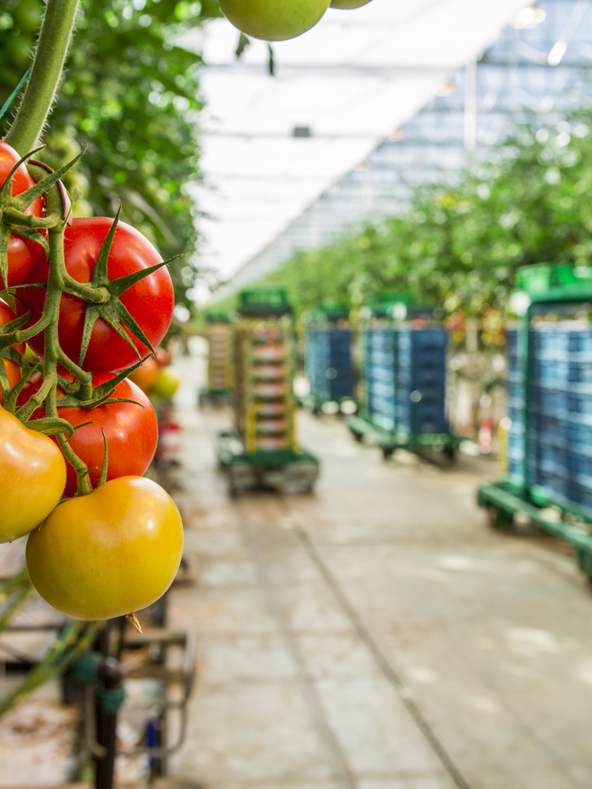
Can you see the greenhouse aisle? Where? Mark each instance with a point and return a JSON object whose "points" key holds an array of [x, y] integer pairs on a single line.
{"points": [[376, 634]]}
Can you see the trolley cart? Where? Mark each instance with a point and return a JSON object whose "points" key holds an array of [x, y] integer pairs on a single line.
{"points": [[549, 443], [220, 362], [263, 449], [328, 359], [403, 382]]}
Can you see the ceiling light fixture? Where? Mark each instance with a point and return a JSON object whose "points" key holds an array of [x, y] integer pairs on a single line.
{"points": [[528, 18]]}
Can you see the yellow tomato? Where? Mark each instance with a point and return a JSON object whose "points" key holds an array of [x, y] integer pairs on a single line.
{"points": [[110, 553], [274, 20], [32, 477], [145, 375]]}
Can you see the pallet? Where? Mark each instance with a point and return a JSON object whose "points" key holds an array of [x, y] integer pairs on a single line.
{"points": [[390, 440], [283, 470]]}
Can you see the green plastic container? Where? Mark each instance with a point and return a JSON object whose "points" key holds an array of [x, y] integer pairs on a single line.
{"points": [[545, 276]]}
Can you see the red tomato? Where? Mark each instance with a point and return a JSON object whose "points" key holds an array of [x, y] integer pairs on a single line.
{"points": [[22, 253], [131, 431], [150, 301], [162, 356], [13, 371]]}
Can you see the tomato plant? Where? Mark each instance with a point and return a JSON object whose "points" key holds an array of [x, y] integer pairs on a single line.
{"points": [[22, 253], [271, 20], [32, 477], [114, 551], [130, 430], [149, 301]]}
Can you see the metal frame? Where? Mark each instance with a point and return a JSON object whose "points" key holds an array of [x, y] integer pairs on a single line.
{"points": [[505, 498]]}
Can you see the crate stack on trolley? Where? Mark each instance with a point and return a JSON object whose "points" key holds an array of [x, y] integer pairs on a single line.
{"points": [[549, 388], [403, 383], [220, 358], [328, 360], [263, 448]]}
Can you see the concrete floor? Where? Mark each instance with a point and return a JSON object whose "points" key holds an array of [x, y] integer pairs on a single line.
{"points": [[377, 634]]}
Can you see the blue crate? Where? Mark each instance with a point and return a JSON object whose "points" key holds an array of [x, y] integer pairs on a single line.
{"points": [[381, 373], [580, 341], [385, 358], [580, 495], [329, 363], [580, 372]]}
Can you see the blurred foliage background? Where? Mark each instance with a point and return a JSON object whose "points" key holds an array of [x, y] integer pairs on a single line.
{"points": [[459, 246], [132, 94]]}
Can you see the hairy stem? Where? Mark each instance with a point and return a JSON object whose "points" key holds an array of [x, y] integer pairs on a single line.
{"points": [[54, 39]]}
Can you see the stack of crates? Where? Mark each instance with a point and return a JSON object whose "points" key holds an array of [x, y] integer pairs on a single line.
{"points": [[264, 352], [405, 378], [421, 380], [220, 354], [558, 442], [328, 362]]}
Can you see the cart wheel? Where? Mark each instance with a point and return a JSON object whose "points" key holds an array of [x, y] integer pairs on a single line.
{"points": [[357, 436], [316, 411], [449, 453], [499, 520], [387, 452]]}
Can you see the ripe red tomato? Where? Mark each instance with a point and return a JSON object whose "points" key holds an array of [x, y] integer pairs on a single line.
{"points": [[13, 371], [150, 301], [131, 431], [110, 553], [22, 253], [162, 357]]}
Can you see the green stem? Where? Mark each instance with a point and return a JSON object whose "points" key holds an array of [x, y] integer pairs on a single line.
{"points": [[54, 39], [53, 354]]}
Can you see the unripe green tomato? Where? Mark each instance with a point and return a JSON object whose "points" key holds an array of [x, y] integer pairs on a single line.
{"points": [[110, 553], [28, 15], [167, 382], [18, 49], [274, 20], [348, 3]]}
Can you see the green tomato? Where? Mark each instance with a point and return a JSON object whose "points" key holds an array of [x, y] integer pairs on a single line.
{"points": [[348, 3], [18, 49], [28, 15], [167, 383], [274, 20]]}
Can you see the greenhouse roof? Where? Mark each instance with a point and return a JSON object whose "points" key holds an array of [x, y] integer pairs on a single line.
{"points": [[273, 144]]}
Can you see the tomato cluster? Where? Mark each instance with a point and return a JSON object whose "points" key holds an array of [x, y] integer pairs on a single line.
{"points": [[93, 299]]}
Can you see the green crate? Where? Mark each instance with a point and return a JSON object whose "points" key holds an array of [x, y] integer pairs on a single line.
{"points": [[264, 301], [544, 276]]}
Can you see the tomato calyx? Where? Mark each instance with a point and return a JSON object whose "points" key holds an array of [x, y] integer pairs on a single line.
{"points": [[15, 216], [74, 397], [111, 309]]}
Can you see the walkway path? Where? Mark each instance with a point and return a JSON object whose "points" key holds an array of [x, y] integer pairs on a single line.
{"points": [[377, 635]]}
